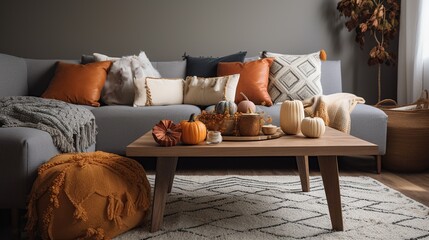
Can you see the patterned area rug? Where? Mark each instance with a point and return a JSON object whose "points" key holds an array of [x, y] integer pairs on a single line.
{"points": [[273, 207]]}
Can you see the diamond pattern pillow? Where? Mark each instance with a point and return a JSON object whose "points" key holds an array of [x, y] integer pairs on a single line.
{"points": [[294, 77]]}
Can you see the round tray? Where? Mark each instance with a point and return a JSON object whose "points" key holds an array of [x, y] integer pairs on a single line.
{"points": [[253, 138]]}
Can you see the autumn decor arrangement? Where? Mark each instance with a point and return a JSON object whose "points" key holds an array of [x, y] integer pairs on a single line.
{"points": [[166, 133], [376, 19], [193, 131]]}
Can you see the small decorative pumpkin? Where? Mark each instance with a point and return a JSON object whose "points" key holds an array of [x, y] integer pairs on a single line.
{"points": [[193, 132], [223, 107], [323, 55], [291, 115], [166, 133], [312, 127], [246, 106]]}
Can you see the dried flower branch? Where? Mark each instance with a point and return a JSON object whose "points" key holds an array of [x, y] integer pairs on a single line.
{"points": [[373, 18]]}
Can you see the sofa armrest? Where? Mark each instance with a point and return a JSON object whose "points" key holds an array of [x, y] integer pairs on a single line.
{"points": [[370, 123]]}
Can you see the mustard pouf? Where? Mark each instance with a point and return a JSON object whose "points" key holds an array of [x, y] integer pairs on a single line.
{"points": [[94, 195]]}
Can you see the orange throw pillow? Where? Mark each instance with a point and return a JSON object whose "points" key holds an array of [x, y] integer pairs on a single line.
{"points": [[253, 79], [78, 84]]}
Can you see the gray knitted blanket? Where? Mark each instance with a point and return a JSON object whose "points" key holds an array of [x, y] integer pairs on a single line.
{"points": [[72, 127]]}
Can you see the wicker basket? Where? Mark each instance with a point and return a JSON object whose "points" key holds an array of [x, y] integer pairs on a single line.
{"points": [[407, 136]]}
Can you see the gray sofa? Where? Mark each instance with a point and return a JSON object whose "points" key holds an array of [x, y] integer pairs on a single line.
{"points": [[22, 150]]}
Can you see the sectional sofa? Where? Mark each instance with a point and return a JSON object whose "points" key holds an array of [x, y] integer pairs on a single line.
{"points": [[22, 150]]}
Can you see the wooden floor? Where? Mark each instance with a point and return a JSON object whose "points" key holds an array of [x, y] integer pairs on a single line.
{"points": [[413, 185]]}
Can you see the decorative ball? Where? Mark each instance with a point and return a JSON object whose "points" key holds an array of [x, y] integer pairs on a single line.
{"points": [[193, 131], [291, 115], [313, 127], [223, 107], [93, 195], [246, 106], [166, 133]]}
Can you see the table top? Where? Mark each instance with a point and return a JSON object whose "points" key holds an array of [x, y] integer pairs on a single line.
{"points": [[332, 143]]}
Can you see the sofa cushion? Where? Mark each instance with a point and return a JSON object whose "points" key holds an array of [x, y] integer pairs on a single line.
{"points": [[294, 77], [253, 79], [79, 84], [207, 66], [207, 91], [13, 72], [158, 91], [118, 125], [171, 69], [331, 77]]}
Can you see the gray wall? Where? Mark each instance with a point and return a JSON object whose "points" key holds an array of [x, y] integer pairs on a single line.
{"points": [[165, 29]]}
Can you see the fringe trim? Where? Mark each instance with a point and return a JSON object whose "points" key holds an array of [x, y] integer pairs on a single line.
{"points": [[92, 233]]}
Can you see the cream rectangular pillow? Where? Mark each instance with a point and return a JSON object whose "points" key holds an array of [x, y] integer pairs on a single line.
{"points": [[158, 91], [208, 91]]}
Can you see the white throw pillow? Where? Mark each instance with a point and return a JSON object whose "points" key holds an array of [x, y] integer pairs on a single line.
{"points": [[208, 91], [294, 77], [158, 91], [119, 86]]}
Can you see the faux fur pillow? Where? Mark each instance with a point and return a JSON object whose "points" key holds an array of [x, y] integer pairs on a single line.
{"points": [[119, 86]]}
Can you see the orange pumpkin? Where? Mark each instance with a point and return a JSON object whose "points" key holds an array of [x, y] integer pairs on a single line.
{"points": [[193, 132], [166, 133]]}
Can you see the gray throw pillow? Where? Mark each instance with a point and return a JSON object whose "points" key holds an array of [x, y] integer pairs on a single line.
{"points": [[85, 59]]}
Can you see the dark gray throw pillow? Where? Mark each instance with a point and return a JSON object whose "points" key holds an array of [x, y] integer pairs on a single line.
{"points": [[207, 66], [85, 59]]}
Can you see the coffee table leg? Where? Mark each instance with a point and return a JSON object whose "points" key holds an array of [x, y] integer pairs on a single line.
{"points": [[304, 173], [165, 168], [170, 186], [329, 170]]}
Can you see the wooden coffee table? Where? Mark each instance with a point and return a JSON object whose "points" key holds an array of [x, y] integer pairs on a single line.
{"points": [[332, 144]]}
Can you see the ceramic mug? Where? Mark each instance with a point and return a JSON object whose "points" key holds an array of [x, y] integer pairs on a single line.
{"points": [[249, 124]]}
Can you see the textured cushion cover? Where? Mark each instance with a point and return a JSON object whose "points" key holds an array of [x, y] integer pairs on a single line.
{"points": [[253, 79], [158, 91], [119, 87], [294, 77], [79, 84], [93, 195], [208, 91], [207, 66]]}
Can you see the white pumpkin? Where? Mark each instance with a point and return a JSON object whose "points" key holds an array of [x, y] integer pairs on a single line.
{"points": [[312, 127], [291, 115]]}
